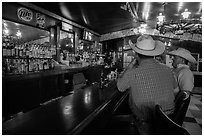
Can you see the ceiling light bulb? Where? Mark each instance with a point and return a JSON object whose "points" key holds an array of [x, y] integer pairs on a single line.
{"points": [[160, 18], [143, 25], [169, 44], [6, 32], [142, 30], [186, 14], [18, 34], [165, 43], [5, 24]]}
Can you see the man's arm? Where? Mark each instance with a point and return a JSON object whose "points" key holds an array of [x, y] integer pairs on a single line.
{"points": [[123, 79]]}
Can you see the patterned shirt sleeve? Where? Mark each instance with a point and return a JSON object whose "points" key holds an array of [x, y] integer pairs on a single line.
{"points": [[186, 80], [175, 84], [123, 82]]}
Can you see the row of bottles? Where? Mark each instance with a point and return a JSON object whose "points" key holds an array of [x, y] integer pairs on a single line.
{"points": [[22, 58], [23, 66], [105, 80], [31, 50]]}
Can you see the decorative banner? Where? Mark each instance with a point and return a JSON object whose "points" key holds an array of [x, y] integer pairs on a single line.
{"points": [[40, 20], [25, 14], [130, 32], [118, 34]]}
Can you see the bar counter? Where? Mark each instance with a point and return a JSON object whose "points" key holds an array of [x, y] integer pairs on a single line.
{"points": [[22, 93], [68, 115]]}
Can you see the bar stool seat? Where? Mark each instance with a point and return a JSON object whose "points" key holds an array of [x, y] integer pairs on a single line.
{"points": [[78, 81], [165, 126], [182, 101]]}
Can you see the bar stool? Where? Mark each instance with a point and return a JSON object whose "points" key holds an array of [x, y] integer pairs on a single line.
{"points": [[182, 101], [165, 126], [78, 81]]}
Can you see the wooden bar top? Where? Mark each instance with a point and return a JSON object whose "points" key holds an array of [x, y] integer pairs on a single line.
{"points": [[30, 75], [68, 115]]}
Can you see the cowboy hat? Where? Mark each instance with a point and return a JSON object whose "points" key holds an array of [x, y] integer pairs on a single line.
{"points": [[147, 46], [181, 52]]}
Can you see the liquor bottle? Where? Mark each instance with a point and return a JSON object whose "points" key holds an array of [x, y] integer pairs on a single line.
{"points": [[30, 50], [26, 65], [8, 48], [22, 66], [8, 69], [44, 65], [23, 50], [37, 51], [16, 51], [12, 49], [116, 74], [27, 50], [4, 66], [52, 64], [102, 80], [40, 64], [20, 51], [30, 66], [4, 49]]}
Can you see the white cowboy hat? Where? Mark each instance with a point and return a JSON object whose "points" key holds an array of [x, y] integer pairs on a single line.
{"points": [[181, 52], [147, 46]]}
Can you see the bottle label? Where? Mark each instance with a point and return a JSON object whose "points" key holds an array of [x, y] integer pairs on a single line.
{"points": [[8, 52], [4, 52]]}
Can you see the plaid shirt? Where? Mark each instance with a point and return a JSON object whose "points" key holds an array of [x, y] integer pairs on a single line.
{"points": [[150, 83]]}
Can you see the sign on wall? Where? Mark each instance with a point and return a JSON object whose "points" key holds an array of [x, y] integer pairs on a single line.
{"points": [[40, 20], [25, 14], [67, 27]]}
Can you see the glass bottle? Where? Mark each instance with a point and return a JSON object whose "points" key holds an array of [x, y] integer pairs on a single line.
{"points": [[4, 49], [102, 80], [12, 49], [8, 48]]}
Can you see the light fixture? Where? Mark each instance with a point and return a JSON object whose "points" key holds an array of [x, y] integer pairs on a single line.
{"points": [[6, 31], [185, 14], [142, 28], [18, 34], [5, 24], [160, 18], [165, 43], [180, 5], [81, 47], [16, 24], [169, 44]]}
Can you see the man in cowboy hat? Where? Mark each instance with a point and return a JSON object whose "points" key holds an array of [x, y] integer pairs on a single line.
{"points": [[181, 70], [149, 83]]}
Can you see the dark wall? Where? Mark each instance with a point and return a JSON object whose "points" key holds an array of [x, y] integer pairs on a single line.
{"points": [[10, 9]]}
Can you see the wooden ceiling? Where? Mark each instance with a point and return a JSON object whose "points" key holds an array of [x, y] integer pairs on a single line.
{"points": [[105, 17]]}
